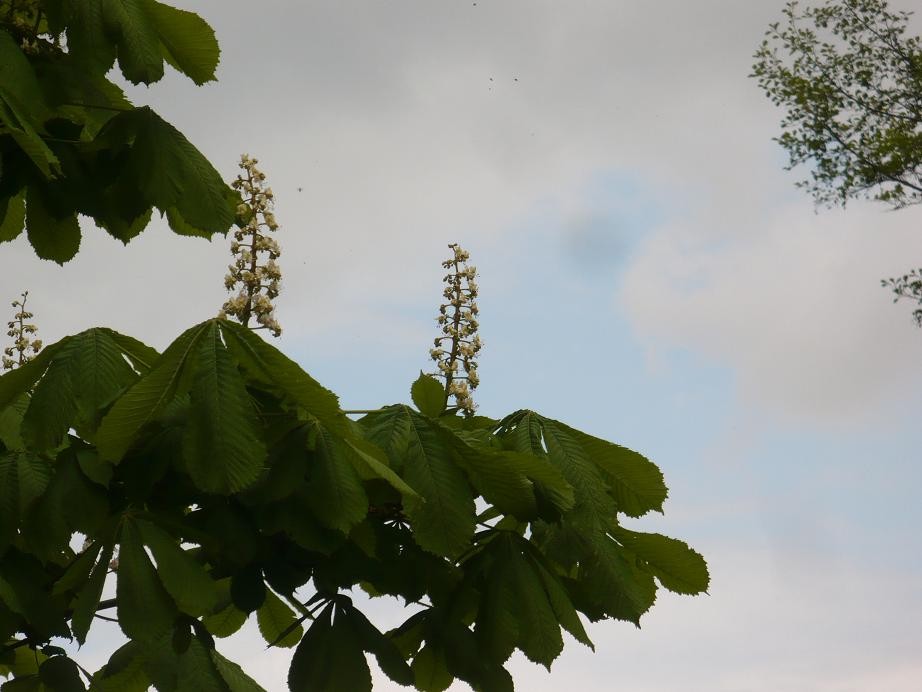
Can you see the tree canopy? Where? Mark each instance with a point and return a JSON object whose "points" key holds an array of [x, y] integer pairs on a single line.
{"points": [[217, 480], [850, 81]]}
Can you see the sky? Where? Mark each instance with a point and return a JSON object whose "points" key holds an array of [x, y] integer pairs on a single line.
{"points": [[648, 274]]}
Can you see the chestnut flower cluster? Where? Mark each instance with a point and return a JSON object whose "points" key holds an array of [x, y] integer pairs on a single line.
{"points": [[255, 274], [24, 346], [456, 350]]}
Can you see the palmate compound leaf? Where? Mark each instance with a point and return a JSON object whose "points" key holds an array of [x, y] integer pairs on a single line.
{"points": [[84, 377], [190, 586], [510, 479], [677, 567], [337, 496], [233, 675], [145, 610], [124, 672], [87, 600], [191, 668], [14, 218], [591, 465], [54, 237], [168, 171], [222, 446], [275, 619], [443, 519], [372, 640], [128, 24], [267, 365], [187, 41], [515, 609], [593, 507], [611, 582], [636, 483], [60, 674], [147, 397], [330, 657]]}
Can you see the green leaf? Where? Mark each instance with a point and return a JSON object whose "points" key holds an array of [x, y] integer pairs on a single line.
{"points": [[559, 599], [189, 43], [389, 658], [233, 675], [677, 567], [24, 477], [60, 674], [87, 38], [539, 631], [594, 508], [141, 355], [19, 381], [145, 610], [85, 375], [429, 396], [17, 75], [275, 618], [53, 237], [11, 422], [22, 127], [14, 218], [141, 404], [180, 226], [365, 459], [88, 597], [636, 482], [227, 620], [329, 658], [612, 580], [268, 365], [124, 671], [443, 521], [53, 406], [337, 496], [172, 173], [124, 229], [78, 571], [185, 579], [222, 446], [139, 56], [431, 670]]}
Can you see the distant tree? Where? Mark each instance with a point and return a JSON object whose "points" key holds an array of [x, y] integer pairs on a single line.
{"points": [[850, 80]]}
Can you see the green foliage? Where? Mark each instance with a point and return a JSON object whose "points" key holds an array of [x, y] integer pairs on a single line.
{"points": [[218, 479], [208, 531], [850, 82], [71, 144], [908, 286]]}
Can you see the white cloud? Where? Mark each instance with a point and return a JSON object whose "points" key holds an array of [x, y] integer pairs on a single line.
{"points": [[792, 303]]}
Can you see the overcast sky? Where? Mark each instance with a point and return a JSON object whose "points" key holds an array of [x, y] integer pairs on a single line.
{"points": [[648, 273]]}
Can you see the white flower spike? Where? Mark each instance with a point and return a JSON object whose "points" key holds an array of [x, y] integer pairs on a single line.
{"points": [[254, 275], [457, 348], [24, 346]]}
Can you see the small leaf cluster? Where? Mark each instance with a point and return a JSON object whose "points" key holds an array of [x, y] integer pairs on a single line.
{"points": [[71, 144], [255, 274], [25, 345], [455, 351], [908, 286], [850, 81], [231, 484]]}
